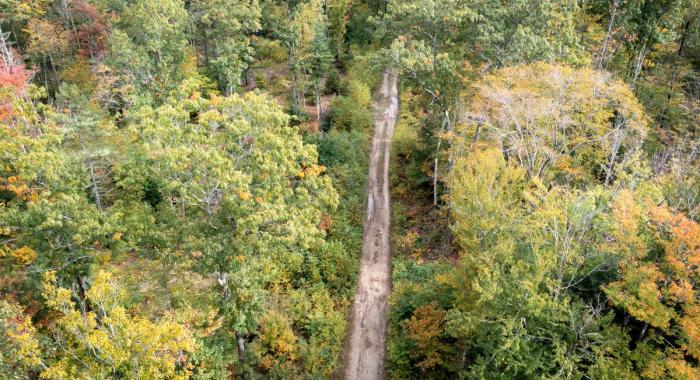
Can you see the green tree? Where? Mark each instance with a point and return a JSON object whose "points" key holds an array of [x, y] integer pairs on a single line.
{"points": [[525, 31], [226, 27], [148, 50], [320, 63], [46, 211], [514, 311], [648, 22], [239, 194], [338, 14], [307, 40], [427, 40]]}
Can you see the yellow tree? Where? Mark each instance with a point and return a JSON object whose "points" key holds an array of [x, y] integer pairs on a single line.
{"points": [[19, 347], [99, 338], [558, 120], [660, 270]]}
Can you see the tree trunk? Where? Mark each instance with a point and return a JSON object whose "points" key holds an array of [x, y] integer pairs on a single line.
{"points": [[56, 79], [6, 55], [95, 188], [435, 173], [45, 69], [641, 55], [222, 279], [82, 294], [608, 34], [447, 235], [318, 104], [613, 157], [674, 76], [436, 167], [240, 341], [206, 48], [296, 97], [14, 33], [302, 93], [643, 332]]}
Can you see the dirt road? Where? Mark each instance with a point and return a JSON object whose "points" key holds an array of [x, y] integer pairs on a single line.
{"points": [[365, 347]]}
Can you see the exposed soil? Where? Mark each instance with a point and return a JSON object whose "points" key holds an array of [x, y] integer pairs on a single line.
{"points": [[366, 342]]}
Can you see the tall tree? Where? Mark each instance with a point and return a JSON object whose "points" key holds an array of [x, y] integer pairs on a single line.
{"points": [[98, 338], [660, 255], [237, 189], [148, 49], [429, 39], [573, 124], [226, 27], [320, 64]]}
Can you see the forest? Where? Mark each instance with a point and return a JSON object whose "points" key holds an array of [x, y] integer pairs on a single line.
{"points": [[184, 189]]}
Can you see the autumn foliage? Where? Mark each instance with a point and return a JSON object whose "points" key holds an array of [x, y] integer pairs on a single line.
{"points": [[660, 272], [183, 187], [15, 76], [14, 79]]}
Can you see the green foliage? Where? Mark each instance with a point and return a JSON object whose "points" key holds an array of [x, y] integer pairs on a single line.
{"points": [[338, 14], [544, 256], [185, 228], [419, 291], [526, 31], [226, 26], [345, 156], [270, 50], [46, 208], [484, 184], [351, 111], [347, 115], [148, 50], [504, 34]]}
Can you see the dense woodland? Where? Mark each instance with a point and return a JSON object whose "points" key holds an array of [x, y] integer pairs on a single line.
{"points": [[182, 187]]}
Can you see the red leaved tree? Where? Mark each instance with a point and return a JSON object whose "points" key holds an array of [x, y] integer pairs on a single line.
{"points": [[13, 76]]}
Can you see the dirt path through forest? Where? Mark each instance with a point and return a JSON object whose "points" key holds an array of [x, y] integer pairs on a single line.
{"points": [[365, 346]]}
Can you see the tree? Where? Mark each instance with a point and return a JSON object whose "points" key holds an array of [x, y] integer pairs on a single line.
{"points": [[439, 77], [514, 311], [19, 347], [654, 21], [227, 25], [45, 209], [483, 183], [98, 337], [320, 64], [427, 49], [637, 26], [558, 121], [425, 328], [307, 40], [90, 135], [525, 31], [148, 49], [48, 43], [660, 255], [338, 15], [237, 192], [14, 77]]}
